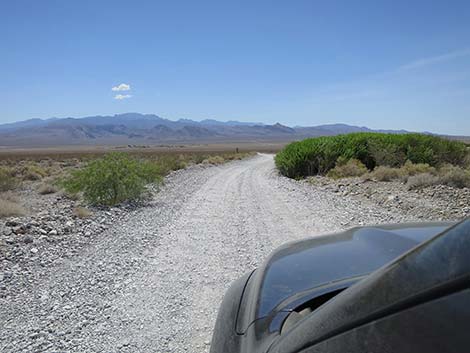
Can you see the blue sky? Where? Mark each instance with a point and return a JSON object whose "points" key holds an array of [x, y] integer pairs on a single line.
{"points": [[382, 64]]}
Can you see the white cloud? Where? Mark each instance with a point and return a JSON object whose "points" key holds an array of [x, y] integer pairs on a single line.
{"points": [[434, 59], [122, 96], [121, 87]]}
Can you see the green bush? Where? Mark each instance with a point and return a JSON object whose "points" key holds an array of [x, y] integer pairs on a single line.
{"points": [[318, 155], [112, 179], [386, 154]]}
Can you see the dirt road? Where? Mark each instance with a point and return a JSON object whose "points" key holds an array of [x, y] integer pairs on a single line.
{"points": [[153, 283]]}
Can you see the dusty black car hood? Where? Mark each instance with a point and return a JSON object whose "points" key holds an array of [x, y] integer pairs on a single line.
{"points": [[296, 270]]}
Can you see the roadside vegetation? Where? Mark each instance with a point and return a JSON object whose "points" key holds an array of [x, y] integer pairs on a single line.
{"points": [[7, 179], [10, 206], [82, 212], [347, 168], [112, 179], [93, 178], [47, 188], [417, 160]]}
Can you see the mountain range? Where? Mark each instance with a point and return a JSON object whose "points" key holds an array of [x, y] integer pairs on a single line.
{"points": [[135, 128]]}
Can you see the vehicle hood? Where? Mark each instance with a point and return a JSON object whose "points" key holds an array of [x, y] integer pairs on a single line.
{"points": [[298, 268]]}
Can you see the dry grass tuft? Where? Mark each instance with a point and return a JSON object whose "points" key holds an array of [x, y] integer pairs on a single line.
{"points": [[448, 175], [7, 179], [454, 176], [82, 212], [74, 196], [215, 160], [351, 168], [45, 189], [9, 206], [422, 180], [33, 172], [383, 173], [411, 169]]}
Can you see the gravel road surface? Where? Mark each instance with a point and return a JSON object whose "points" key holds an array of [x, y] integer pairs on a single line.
{"points": [[153, 282]]}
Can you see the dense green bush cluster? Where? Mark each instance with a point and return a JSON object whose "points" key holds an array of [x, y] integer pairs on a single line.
{"points": [[319, 155], [112, 179]]}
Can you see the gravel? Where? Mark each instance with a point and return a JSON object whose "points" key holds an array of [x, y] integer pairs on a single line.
{"points": [[150, 278], [437, 202]]}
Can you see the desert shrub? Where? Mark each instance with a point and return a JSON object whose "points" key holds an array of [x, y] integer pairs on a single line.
{"points": [[166, 164], [346, 169], [199, 158], [232, 157], [9, 206], [74, 196], [454, 176], [410, 168], [422, 180], [55, 170], [46, 188], [467, 159], [112, 179], [216, 160], [318, 155], [448, 175], [82, 212], [7, 179], [237, 156], [383, 173], [33, 172]]}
